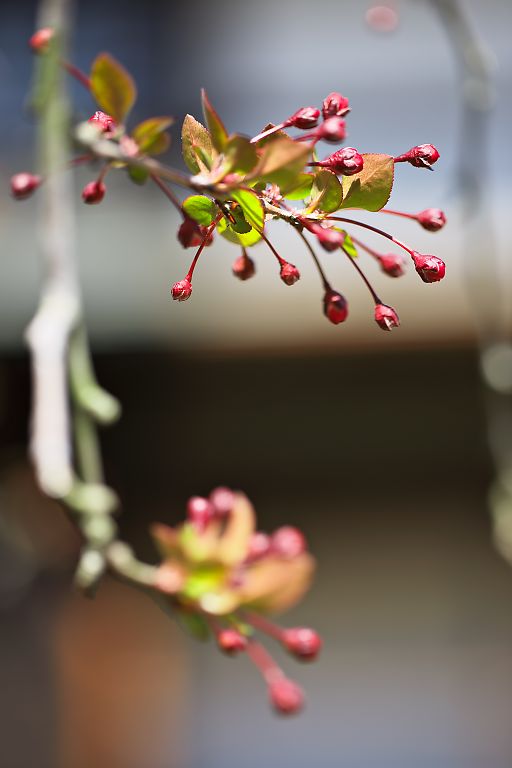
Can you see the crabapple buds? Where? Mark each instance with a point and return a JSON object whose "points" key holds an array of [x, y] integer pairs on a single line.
{"points": [[259, 546], [422, 156], [431, 269], [335, 307], [303, 642], [333, 129], [330, 239], [392, 264], [182, 290], [40, 40], [231, 641], [386, 317], [223, 500], [432, 219], [200, 511], [103, 121], [93, 192], [289, 273], [335, 105], [23, 184], [243, 267], [346, 162], [190, 234], [304, 118], [286, 696], [288, 542]]}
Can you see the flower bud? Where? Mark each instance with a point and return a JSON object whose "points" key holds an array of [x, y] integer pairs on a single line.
{"points": [[200, 512], [422, 156], [182, 290], [40, 40], [223, 500], [259, 546], [432, 219], [335, 307], [286, 697], [190, 234], [243, 267], [289, 273], [304, 643], [94, 192], [431, 269], [288, 542], [333, 129], [345, 162], [23, 184], [330, 239], [231, 641], [335, 105], [386, 317], [392, 264], [304, 118], [103, 121]]}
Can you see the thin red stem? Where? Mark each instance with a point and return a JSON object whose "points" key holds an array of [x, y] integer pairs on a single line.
{"points": [[398, 213], [365, 247], [77, 74], [373, 229], [167, 192], [201, 247], [262, 659], [281, 261], [321, 272], [264, 625], [80, 160], [268, 132], [362, 275]]}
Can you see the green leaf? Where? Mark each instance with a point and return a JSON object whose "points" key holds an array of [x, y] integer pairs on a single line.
{"points": [[371, 188], [252, 207], [200, 208], [326, 192], [241, 155], [348, 246], [150, 135], [299, 188], [112, 86], [238, 222], [138, 175], [281, 161], [215, 125], [228, 233], [197, 148]]}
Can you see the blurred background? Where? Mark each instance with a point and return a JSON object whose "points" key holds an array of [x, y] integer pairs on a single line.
{"points": [[376, 444]]}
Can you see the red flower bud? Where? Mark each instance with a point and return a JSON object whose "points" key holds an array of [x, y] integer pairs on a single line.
{"points": [[335, 307], [392, 264], [386, 317], [182, 290], [23, 184], [431, 269], [190, 234], [200, 511], [304, 643], [335, 105], [306, 117], [40, 40], [432, 219], [243, 267], [286, 696], [231, 641], [93, 192], [288, 542], [259, 546], [103, 121], [330, 239], [346, 161], [289, 273], [333, 129], [223, 500], [422, 156]]}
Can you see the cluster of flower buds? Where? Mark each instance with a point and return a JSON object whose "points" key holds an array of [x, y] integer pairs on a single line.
{"points": [[217, 568]]}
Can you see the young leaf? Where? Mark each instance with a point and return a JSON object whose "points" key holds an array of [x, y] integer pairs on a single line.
{"points": [[281, 162], [138, 175], [348, 245], [241, 155], [238, 221], [112, 86], [150, 134], [226, 231], [300, 188], [197, 148], [200, 208], [326, 192], [251, 206], [371, 188], [215, 125]]}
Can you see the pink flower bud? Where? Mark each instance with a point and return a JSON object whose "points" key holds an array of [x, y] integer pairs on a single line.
{"points": [[243, 267], [40, 40], [103, 121], [288, 542], [259, 546], [289, 273], [333, 129], [346, 161], [304, 643], [23, 184], [335, 307], [286, 696], [200, 512], [330, 239], [182, 290], [304, 118], [231, 641], [392, 264], [432, 219], [223, 500], [190, 234], [335, 105], [431, 269], [422, 156], [386, 317], [93, 192]]}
